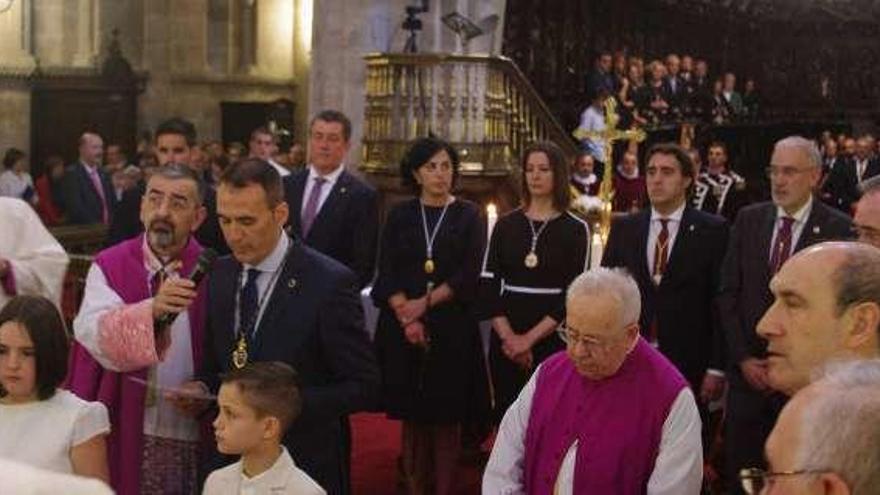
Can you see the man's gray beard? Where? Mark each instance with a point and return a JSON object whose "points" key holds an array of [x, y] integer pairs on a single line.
{"points": [[161, 240]]}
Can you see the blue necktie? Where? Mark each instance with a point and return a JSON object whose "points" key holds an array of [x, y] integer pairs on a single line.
{"points": [[248, 298]]}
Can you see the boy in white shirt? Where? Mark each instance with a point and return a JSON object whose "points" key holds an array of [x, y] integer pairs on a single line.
{"points": [[257, 404]]}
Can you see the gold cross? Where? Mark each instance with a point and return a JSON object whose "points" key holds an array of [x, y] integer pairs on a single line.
{"points": [[610, 135]]}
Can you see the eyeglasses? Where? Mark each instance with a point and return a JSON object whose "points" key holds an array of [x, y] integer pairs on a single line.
{"points": [[787, 172], [572, 337], [755, 480]]}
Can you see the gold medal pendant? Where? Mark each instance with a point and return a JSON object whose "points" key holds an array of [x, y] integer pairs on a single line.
{"points": [[240, 354], [429, 266], [531, 260]]}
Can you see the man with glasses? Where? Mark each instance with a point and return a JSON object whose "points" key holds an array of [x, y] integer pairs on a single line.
{"points": [[609, 415], [867, 216], [826, 439], [124, 357], [763, 237]]}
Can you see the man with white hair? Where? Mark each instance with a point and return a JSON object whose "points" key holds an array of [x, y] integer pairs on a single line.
{"points": [[609, 415], [827, 308], [763, 237], [825, 442]]}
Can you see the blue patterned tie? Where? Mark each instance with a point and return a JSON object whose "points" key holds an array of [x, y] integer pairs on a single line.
{"points": [[248, 298]]}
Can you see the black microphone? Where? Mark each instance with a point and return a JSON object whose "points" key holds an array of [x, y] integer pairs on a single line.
{"points": [[203, 266]]}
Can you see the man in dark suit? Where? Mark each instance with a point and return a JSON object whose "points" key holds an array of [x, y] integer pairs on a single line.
{"points": [[332, 210], [276, 299], [843, 183], [600, 77], [88, 192], [175, 140], [763, 237], [674, 253]]}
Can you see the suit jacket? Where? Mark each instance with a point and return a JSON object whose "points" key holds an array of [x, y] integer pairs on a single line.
{"points": [[689, 331], [127, 220], [81, 201], [347, 225], [314, 322], [746, 272], [843, 183]]}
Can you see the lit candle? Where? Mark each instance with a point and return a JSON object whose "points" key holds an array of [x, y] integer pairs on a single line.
{"points": [[492, 217]]}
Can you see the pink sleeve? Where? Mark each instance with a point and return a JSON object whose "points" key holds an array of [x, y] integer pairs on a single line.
{"points": [[126, 336], [9, 282]]}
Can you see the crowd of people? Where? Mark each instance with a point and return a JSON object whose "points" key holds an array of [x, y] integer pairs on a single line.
{"points": [[62, 194], [670, 90], [245, 381]]}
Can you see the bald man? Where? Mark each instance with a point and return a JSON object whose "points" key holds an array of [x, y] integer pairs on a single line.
{"points": [[88, 192], [826, 308]]}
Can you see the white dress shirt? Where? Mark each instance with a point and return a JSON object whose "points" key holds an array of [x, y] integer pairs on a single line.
{"points": [[797, 228], [678, 469], [267, 268], [654, 231], [283, 478], [330, 181], [283, 172], [861, 167], [593, 120]]}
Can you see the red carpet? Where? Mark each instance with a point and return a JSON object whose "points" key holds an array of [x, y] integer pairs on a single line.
{"points": [[376, 446]]}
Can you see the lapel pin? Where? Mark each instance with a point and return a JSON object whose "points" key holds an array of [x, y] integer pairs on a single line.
{"points": [[342, 190], [815, 229], [691, 228], [291, 284]]}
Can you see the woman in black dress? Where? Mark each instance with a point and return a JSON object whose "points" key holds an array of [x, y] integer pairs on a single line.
{"points": [[535, 252], [427, 339]]}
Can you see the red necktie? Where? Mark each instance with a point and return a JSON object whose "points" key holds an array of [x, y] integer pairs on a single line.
{"points": [[99, 188], [661, 254], [661, 251], [782, 246]]}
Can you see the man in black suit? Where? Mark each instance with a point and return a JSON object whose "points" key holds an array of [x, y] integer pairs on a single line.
{"points": [[845, 178], [763, 237], [175, 140], [88, 192], [600, 77], [332, 210], [276, 299], [674, 253]]}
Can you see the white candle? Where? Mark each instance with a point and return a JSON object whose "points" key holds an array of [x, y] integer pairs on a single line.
{"points": [[596, 248], [492, 217]]}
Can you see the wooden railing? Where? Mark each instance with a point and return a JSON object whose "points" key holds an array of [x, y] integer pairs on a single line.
{"points": [[483, 105]]}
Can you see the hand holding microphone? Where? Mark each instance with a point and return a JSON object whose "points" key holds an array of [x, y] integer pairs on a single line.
{"points": [[176, 294]]}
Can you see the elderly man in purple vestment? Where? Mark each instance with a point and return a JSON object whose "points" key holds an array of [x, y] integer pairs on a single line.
{"points": [[126, 358], [610, 415]]}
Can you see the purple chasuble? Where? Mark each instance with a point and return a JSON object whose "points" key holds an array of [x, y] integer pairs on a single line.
{"points": [[123, 267], [618, 423]]}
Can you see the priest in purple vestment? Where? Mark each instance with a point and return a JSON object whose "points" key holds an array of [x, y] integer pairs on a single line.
{"points": [[123, 360], [610, 415]]}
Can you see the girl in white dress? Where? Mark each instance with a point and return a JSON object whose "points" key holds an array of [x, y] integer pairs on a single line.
{"points": [[40, 424]]}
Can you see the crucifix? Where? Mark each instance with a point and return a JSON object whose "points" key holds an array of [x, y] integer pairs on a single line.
{"points": [[610, 135]]}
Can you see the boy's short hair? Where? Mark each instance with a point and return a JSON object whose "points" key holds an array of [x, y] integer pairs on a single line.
{"points": [[271, 388]]}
